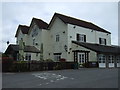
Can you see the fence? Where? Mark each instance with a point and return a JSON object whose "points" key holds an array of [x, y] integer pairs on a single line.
{"points": [[38, 66]]}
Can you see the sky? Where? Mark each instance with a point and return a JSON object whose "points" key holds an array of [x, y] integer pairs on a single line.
{"points": [[103, 14]]}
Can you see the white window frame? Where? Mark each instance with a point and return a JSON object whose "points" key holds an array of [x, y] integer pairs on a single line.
{"points": [[34, 41], [57, 38], [118, 59], [28, 57], [103, 41], [102, 58], [111, 59], [57, 57], [81, 37]]}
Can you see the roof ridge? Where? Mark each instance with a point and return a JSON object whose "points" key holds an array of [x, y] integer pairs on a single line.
{"points": [[74, 18], [39, 20], [79, 22]]}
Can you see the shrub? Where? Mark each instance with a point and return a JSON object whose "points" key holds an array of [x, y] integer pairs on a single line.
{"points": [[49, 60]]}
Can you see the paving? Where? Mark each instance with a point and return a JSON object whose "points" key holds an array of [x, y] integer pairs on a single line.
{"points": [[81, 78]]}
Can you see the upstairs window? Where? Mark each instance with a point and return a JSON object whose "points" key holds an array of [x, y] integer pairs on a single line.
{"points": [[81, 37], [102, 41], [33, 41], [57, 38]]}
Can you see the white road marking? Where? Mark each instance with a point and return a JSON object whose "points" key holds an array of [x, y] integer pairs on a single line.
{"points": [[72, 78], [52, 77], [51, 81]]}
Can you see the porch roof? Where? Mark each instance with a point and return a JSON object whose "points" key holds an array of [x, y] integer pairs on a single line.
{"points": [[15, 48], [99, 48]]}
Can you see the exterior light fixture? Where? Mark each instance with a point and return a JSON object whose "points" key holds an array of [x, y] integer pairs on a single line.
{"points": [[91, 30], [74, 27], [63, 31], [65, 47]]}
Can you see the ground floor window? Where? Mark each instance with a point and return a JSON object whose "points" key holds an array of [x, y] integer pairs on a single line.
{"points": [[57, 56], [118, 59], [102, 58], [28, 57], [111, 59]]}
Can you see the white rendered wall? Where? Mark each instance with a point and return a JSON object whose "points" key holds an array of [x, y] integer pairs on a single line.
{"points": [[58, 27]]}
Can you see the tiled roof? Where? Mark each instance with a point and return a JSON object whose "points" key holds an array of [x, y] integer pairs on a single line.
{"points": [[24, 29], [26, 49], [99, 48], [78, 22], [41, 24]]}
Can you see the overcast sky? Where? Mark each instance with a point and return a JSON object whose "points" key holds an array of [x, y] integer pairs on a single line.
{"points": [[103, 14]]}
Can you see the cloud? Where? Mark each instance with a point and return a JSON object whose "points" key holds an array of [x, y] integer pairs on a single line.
{"points": [[14, 13]]}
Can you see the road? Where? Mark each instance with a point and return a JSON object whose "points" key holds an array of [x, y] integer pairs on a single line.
{"points": [[81, 78]]}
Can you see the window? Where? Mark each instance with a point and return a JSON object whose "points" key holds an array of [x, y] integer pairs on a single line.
{"points": [[81, 37], [102, 41], [28, 57], [102, 58], [57, 56], [33, 41], [111, 58], [36, 54], [57, 38], [118, 59]]}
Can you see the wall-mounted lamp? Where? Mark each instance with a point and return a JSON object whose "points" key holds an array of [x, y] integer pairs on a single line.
{"points": [[63, 31], [70, 48], [74, 27], [65, 47], [36, 43], [70, 36]]}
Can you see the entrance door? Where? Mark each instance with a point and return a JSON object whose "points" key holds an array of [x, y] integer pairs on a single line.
{"points": [[81, 58]]}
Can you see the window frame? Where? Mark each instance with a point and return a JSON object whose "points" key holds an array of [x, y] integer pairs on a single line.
{"points": [[102, 58], [34, 41], [28, 57], [111, 59], [102, 41], [57, 56], [57, 38], [80, 37]]}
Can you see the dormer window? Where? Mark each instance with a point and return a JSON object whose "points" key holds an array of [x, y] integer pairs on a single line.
{"points": [[102, 41], [81, 37]]}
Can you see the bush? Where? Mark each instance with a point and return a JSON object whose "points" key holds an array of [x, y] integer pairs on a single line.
{"points": [[58, 67], [49, 60]]}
